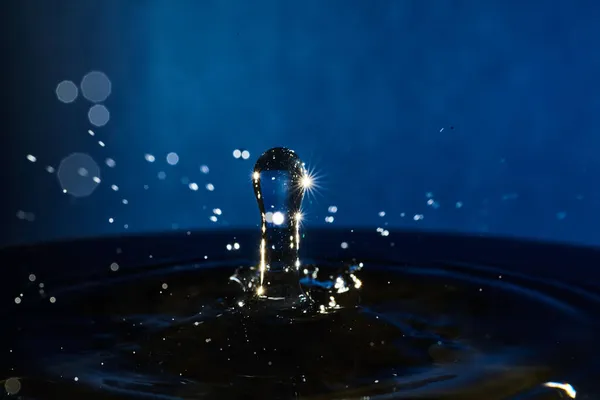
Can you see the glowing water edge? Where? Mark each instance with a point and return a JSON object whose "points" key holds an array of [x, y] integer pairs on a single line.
{"points": [[286, 328]]}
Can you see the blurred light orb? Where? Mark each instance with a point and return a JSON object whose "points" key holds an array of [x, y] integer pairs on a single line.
{"points": [[98, 115], [172, 158], [78, 175], [96, 87], [67, 92]]}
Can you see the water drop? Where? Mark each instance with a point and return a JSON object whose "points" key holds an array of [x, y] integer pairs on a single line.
{"points": [[277, 182]]}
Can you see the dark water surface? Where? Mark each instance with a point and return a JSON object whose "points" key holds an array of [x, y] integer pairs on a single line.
{"points": [[433, 318]]}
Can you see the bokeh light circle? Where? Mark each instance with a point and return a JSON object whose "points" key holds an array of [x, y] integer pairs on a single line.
{"points": [[12, 386], [172, 158], [96, 87], [67, 91], [78, 175], [98, 115]]}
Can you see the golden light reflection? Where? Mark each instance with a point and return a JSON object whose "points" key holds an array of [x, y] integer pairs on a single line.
{"points": [[310, 182], [262, 266], [565, 387]]}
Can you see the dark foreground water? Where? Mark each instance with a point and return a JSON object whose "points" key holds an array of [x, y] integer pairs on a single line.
{"points": [[429, 327]]}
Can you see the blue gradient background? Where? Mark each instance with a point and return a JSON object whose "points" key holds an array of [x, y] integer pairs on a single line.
{"points": [[360, 89]]}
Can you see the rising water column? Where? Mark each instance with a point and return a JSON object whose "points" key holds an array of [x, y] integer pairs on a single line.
{"points": [[279, 181]]}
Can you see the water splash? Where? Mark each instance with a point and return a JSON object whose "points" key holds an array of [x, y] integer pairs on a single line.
{"points": [[280, 181], [278, 187]]}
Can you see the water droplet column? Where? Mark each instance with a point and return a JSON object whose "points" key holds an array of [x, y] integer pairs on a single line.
{"points": [[278, 186]]}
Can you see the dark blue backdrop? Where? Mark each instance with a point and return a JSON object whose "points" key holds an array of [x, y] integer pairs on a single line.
{"points": [[489, 110]]}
